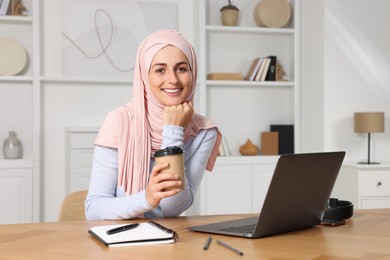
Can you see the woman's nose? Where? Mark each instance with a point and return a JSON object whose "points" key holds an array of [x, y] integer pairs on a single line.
{"points": [[172, 77]]}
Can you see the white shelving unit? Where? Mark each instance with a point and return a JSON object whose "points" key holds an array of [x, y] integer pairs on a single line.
{"points": [[244, 109], [20, 112]]}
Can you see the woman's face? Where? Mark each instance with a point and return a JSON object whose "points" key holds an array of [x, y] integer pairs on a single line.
{"points": [[170, 76]]}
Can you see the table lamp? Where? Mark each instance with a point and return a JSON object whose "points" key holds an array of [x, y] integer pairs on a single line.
{"points": [[369, 122]]}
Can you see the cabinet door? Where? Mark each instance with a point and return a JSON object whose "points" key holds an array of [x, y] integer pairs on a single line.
{"points": [[81, 165], [79, 156], [228, 190], [16, 196], [261, 178]]}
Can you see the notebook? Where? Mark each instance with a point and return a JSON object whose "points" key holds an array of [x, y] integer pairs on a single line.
{"points": [[146, 233], [296, 198]]}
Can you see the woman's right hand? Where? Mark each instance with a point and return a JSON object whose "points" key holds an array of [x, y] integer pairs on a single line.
{"points": [[180, 115], [161, 185]]}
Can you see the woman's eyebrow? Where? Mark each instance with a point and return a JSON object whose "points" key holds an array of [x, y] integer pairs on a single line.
{"points": [[182, 62], [159, 64], [164, 64]]}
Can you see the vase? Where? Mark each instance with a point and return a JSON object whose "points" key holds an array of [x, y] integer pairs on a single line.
{"points": [[12, 147], [229, 17]]}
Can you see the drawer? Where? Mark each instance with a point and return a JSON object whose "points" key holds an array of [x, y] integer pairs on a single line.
{"points": [[378, 202], [375, 183]]}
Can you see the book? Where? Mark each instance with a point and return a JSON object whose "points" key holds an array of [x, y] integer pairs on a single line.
{"points": [[269, 143], [271, 75], [253, 69], [225, 146], [265, 70], [221, 150], [4, 7], [286, 137], [261, 69], [224, 76], [146, 233]]}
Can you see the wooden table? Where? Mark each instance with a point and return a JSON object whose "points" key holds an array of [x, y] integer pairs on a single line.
{"points": [[365, 236]]}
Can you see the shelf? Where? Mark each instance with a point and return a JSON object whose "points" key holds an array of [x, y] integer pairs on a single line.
{"points": [[238, 29], [16, 79], [235, 83], [15, 19], [16, 163], [86, 80]]}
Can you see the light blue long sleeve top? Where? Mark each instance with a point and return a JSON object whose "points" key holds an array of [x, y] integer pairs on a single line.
{"points": [[107, 200]]}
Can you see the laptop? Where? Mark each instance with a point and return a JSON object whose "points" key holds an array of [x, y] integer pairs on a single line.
{"points": [[296, 198]]}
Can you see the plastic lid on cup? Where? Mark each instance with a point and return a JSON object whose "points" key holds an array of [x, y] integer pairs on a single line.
{"points": [[170, 150]]}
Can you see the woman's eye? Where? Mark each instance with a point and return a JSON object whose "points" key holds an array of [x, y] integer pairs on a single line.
{"points": [[182, 69]]}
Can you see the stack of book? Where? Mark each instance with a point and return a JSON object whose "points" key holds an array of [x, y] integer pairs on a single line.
{"points": [[262, 69], [11, 7], [4, 6]]}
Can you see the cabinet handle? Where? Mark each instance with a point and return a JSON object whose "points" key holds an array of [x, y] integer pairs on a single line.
{"points": [[379, 184]]}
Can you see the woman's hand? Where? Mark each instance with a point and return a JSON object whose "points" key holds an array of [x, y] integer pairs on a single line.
{"points": [[161, 185], [180, 115]]}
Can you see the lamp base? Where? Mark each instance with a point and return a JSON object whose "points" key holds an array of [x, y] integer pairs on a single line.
{"points": [[369, 163]]}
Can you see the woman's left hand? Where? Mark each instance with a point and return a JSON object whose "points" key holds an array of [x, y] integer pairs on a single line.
{"points": [[180, 115]]}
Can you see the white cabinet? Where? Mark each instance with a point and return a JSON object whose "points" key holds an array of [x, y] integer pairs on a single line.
{"points": [[366, 186], [236, 186], [79, 154], [244, 109], [20, 112], [16, 189]]}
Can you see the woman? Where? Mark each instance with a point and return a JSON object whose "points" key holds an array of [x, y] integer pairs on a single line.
{"points": [[125, 182]]}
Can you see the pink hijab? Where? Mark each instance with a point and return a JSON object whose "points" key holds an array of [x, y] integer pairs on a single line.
{"points": [[135, 128]]}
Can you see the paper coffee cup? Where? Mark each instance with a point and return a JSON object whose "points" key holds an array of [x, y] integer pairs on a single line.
{"points": [[174, 156]]}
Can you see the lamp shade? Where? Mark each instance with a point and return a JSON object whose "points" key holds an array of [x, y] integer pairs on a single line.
{"points": [[369, 122]]}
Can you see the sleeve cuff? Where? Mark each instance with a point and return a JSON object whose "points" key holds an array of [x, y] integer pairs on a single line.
{"points": [[172, 136]]}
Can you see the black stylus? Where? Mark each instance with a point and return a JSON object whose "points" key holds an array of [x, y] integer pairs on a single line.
{"points": [[121, 229]]}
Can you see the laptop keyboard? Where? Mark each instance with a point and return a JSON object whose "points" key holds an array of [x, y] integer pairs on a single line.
{"points": [[240, 229]]}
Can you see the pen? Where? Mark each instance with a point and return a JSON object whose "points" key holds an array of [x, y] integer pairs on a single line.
{"points": [[121, 229], [229, 247], [207, 244]]}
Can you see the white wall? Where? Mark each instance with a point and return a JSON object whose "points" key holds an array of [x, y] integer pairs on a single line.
{"points": [[312, 75], [345, 61], [356, 74]]}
